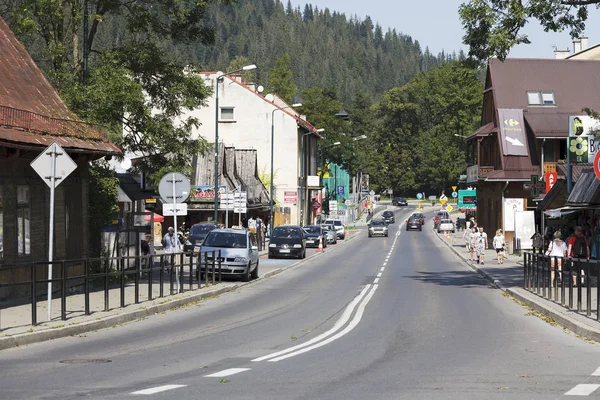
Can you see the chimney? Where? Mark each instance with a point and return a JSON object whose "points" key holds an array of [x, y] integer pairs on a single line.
{"points": [[576, 45], [561, 54], [584, 43]]}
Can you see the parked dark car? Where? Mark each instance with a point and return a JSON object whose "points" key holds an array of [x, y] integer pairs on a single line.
{"points": [[378, 227], [388, 217], [197, 234], [399, 201], [287, 241], [314, 234], [414, 222]]}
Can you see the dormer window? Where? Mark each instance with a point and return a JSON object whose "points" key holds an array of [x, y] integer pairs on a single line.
{"points": [[541, 98]]}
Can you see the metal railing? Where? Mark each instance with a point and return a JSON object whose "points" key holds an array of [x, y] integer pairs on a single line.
{"points": [[571, 282], [114, 273]]}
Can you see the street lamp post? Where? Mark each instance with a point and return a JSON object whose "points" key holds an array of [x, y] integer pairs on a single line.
{"points": [[220, 76], [272, 188]]}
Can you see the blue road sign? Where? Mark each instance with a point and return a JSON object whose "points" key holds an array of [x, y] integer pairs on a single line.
{"points": [[340, 190], [454, 194], [419, 196]]}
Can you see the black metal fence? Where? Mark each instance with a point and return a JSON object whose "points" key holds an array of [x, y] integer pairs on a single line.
{"points": [[571, 282], [81, 277]]}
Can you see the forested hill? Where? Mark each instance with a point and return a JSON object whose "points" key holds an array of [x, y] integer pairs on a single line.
{"points": [[327, 49]]}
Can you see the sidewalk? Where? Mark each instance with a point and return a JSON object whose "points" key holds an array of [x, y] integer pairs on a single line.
{"points": [[509, 277], [15, 322]]}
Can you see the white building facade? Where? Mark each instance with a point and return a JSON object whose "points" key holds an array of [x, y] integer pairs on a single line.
{"points": [[245, 120]]}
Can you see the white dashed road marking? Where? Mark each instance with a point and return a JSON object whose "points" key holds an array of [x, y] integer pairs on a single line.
{"points": [[596, 372], [584, 389], [227, 372], [382, 269], [158, 389], [379, 275], [376, 280]]}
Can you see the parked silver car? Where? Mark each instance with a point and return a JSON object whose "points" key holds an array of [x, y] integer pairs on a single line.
{"points": [[339, 227], [446, 225], [330, 233], [239, 252]]}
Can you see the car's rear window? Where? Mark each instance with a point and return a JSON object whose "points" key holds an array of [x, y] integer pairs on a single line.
{"points": [[388, 213], [335, 222], [378, 223], [201, 229]]}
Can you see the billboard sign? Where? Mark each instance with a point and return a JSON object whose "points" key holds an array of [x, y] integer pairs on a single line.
{"points": [[512, 132], [582, 138], [467, 199], [205, 192]]}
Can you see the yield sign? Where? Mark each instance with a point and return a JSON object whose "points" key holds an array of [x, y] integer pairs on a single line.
{"points": [[64, 165]]}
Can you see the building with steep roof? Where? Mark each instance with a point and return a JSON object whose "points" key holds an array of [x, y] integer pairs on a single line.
{"points": [[524, 128], [33, 116]]}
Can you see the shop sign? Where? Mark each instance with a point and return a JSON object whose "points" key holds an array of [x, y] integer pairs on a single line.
{"points": [[205, 192], [511, 206], [583, 146], [312, 181], [290, 197]]}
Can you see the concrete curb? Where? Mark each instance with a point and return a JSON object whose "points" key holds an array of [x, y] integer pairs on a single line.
{"points": [[562, 318], [78, 328]]}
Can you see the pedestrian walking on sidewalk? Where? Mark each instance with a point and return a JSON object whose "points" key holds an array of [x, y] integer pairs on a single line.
{"points": [[499, 244], [578, 248], [481, 244], [557, 250], [171, 244], [467, 237], [472, 243]]}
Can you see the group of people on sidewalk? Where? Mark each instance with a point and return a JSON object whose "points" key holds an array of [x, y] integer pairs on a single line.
{"points": [[476, 241], [577, 247]]}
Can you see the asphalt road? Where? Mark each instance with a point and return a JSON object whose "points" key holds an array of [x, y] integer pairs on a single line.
{"points": [[380, 318]]}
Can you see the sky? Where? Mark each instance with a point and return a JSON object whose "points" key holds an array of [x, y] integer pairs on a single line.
{"points": [[435, 23]]}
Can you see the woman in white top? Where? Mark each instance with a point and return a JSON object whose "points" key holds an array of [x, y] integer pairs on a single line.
{"points": [[557, 250], [472, 243], [499, 244]]}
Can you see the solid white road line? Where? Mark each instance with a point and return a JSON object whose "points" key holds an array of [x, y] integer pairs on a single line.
{"points": [[338, 325], [584, 389], [158, 389], [376, 281], [227, 372], [596, 372], [351, 325]]}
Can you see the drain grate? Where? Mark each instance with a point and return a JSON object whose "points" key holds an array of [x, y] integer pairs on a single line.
{"points": [[87, 361]]}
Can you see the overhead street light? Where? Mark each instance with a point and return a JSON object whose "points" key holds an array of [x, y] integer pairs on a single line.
{"points": [[272, 188], [220, 77], [462, 136]]}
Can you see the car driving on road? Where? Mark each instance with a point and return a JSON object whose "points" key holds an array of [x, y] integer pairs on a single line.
{"points": [[399, 201], [420, 216], [388, 217], [239, 252], [378, 227], [414, 223], [287, 241]]}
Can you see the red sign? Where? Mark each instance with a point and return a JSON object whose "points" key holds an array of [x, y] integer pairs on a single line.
{"points": [[597, 164], [290, 197], [551, 178]]}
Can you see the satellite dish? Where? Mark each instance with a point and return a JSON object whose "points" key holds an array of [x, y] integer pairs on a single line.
{"points": [[270, 97], [126, 163], [260, 89]]}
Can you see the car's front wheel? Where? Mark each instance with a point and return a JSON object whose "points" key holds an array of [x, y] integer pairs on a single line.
{"points": [[255, 272], [246, 276]]}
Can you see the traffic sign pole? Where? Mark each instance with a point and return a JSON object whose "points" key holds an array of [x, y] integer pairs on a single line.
{"points": [[53, 155]]}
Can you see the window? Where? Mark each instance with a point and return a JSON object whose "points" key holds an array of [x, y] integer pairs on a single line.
{"points": [[227, 113], [23, 219], [541, 98], [1, 227]]}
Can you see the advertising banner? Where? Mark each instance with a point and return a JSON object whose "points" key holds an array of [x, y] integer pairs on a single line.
{"points": [[582, 138], [467, 199], [290, 197], [511, 206], [512, 132], [525, 228], [205, 192]]}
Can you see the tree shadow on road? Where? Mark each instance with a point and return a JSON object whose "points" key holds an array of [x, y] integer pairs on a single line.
{"points": [[468, 279]]}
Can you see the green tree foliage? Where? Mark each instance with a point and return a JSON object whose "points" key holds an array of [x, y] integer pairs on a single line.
{"points": [[281, 80], [493, 27], [135, 84], [418, 123]]}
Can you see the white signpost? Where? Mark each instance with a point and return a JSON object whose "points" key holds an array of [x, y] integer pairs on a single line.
{"points": [[53, 165]]}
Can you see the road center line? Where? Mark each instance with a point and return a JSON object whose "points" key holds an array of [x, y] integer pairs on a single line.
{"points": [[379, 275], [596, 372], [350, 327], [227, 372], [384, 264], [338, 325], [158, 389], [376, 281], [583, 389], [382, 269]]}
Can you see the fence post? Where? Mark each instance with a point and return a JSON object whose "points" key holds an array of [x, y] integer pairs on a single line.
{"points": [[525, 271], [122, 282], [219, 266], [571, 263], [106, 298], [181, 276], [86, 274], [33, 294], [138, 262], [63, 291], [544, 275], [162, 275], [150, 268], [579, 285], [588, 288]]}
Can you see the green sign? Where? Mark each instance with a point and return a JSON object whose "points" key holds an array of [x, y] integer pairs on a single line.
{"points": [[467, 199]]}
